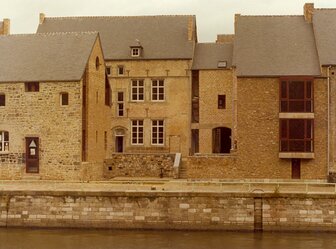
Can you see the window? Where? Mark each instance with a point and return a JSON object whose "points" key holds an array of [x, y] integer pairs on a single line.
{"points": [[135, 52], [97, 63], [4, 141], [158, 93], [64, 98], [222, 64], [137, 132], [157, 132], [120, 104], [296, 135], [108, 70], [221, 102], [120, 70], [105, 140], [32, 87], [2, 99], [137, 90], [107, 92], [296, 95]]}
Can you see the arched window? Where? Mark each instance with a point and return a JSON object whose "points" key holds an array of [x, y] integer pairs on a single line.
{"points": [[4, 141]]}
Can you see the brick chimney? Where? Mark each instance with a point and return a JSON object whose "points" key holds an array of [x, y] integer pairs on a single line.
{"points": [[308, 10], [42, 16], [224, 38], [191, 28], [5, 30]]}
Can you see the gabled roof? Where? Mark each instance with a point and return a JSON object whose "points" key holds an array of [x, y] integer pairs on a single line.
{"points": [[275, 46], [207, 55], [324, 23], [45, 57], [162, 37]]}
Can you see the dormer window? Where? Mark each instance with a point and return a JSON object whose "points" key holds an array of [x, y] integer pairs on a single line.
{"points": [[135, 52], [136, 49]]}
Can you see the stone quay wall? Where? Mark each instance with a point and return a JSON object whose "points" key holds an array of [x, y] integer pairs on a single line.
{"points": [[139, 165], [168, 210]]}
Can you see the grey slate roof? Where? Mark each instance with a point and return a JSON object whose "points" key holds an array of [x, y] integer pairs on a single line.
{"points": [[207, 55], [275, 46], [324, 23], [162, 37], [45, 57]]}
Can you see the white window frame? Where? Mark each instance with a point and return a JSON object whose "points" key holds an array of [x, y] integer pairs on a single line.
{"points": [[156, 125], [120, 102], [135, 52], [4, 143], [137, 88], [136, 126], [158, 87]]}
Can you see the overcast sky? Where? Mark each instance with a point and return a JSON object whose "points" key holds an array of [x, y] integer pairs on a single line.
{"points": [[213, 16]]}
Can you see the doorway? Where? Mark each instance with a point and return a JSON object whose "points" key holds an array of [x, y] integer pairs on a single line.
{"points": [[221, 140], [119, 146], [296, 168], [32, 155]]}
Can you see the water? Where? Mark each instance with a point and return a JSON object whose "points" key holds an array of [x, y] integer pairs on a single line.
{"points": [[122, 239]]}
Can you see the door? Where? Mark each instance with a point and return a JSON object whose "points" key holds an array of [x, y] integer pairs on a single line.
{"points": [[296, 168], [119, 144], [32, 154]]}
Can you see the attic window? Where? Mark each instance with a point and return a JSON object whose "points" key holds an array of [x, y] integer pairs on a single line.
{"points": [[222, 64], [135, 52], [2, 99], [32, 86], [97, 63]]}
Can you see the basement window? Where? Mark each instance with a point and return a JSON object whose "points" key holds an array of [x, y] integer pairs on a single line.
{"points": [[2, 99], [64, 99], [32, 86]]}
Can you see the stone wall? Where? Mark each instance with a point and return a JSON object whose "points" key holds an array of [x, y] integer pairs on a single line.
{"points": [[160, 210], [139, 165]]}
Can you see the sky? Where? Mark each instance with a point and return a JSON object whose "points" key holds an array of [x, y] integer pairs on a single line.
{"points": [[212, 16]]}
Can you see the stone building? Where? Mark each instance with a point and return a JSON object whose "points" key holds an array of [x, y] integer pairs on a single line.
{"points": [[54, 97], [5, 27]]}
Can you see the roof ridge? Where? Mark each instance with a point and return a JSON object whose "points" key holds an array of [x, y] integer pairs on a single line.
{"points": [[110, 17], [53, 33], [271, 16]]}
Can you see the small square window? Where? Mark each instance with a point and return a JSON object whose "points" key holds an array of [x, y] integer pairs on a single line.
{"points": [[222, 64], [32, 86], [64, 99], [135, 52], [2, 99], [121, 70], [221, 102]]}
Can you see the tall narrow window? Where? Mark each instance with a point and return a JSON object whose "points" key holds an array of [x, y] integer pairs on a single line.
{"points": [[2, 99], [108, 70], [107, 92], [32, 86], [120, 70], [157, 132], [296, 95], [221, 102], [105, 140], [4, 141], [158, 90], [120, 104], [296, 135], [97, 63], [64, 99], [138, 90], [137, 132]]}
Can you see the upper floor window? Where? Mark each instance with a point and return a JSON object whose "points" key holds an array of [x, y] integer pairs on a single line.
{"points": [[120, 104], [4, 141], [64, 99], [296, 135], [107, 92], [221, 102], [32, 86], [121, 70], [97, 63], [108, 70], [138, 90], [158, 90], [296, 95], [137, 132], [2, 99]]}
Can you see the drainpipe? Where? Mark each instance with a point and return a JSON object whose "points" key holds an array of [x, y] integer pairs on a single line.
{"points": [[328, 129]]}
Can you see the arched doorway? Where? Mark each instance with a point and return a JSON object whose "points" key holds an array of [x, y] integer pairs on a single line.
{"points": [[119, 137], [221, 140]]}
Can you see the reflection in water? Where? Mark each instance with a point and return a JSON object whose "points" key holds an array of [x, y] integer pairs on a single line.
{"points": [[122, 239]]}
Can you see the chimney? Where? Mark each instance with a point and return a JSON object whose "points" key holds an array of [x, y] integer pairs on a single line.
{"points": [[191, 28], [235, 22], [42, 16], [5, 27], [223, 38], [308, 10]]}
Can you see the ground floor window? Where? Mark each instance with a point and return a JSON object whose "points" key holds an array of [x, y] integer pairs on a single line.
{"points": [[4, 141], [221, 140], [157, 132], [137, 132]]}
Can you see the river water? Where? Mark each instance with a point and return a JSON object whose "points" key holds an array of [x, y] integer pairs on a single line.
{"points": [[122, 239]]}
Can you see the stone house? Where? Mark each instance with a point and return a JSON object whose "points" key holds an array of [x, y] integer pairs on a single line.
{"points": [[54, 97]]}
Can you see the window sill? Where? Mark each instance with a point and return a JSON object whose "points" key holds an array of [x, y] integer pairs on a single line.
{"points": [[302, 155], [296, 115], [4, 152]]}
